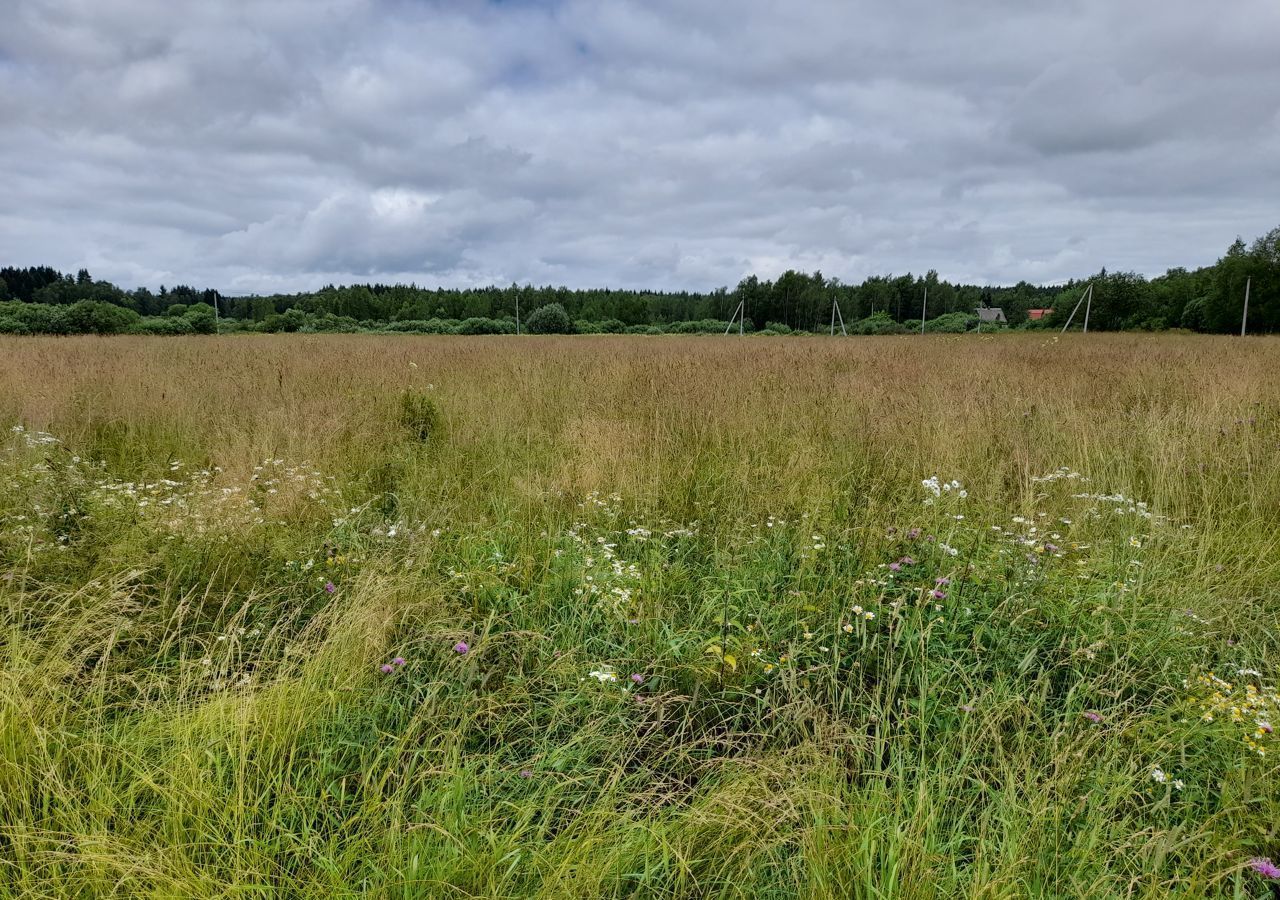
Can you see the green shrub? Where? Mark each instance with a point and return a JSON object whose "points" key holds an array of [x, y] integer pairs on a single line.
{"points": [[951, 323], [705, 326], [877, 323], [605, 326], [202, 317], [290, 320], [10, 325], [549, 319], [419, 415], [162, 325], [94, 317], [481, 325], [424, 326]]}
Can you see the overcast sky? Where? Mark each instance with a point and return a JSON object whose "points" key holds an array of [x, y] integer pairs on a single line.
{"points": [[255, 145]]}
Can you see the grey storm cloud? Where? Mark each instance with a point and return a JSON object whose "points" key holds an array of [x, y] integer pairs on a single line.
{"points": [[283, 144]]}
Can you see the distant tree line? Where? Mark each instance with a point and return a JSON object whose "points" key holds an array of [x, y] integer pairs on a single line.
{"points": [[42, 300]]}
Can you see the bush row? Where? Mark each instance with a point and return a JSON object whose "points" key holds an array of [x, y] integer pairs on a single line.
{"points": [[94, 317], [97, 317]]}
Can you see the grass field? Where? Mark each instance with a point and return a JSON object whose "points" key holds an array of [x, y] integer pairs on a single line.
{"points": [[589, 617]]}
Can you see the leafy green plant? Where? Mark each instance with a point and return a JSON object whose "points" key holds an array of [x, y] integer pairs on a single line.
{"points": [[419, 415]]}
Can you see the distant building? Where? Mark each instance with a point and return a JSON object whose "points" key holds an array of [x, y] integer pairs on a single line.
{"points": [[1034, 314], [991, 314]]}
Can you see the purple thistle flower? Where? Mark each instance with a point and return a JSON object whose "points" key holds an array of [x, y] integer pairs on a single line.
{"points": [[1052, 548], [1265, 867], [907, 561], [461, 647], [330, 587], [1093, 717], [895, 567], [526, 773], [637, 677], [913, 533], [937, 594], [398, 661], [386, 668], [942, 582]]}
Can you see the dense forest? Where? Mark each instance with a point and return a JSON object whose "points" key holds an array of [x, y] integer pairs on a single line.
{"points": [[41, 300]]}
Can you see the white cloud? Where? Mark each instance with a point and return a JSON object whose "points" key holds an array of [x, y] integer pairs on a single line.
{"points": [[671, 143]]}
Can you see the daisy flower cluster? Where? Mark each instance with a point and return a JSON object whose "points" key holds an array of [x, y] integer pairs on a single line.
{"points": [[935, 488], [607, 579], [1245, 707], [57, 497]]}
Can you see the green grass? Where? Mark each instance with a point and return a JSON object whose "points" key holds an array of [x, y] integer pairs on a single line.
{"points": [[187, 711]]}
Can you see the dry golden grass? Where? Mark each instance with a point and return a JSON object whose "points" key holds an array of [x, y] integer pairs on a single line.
{"points": [[785, 420]]}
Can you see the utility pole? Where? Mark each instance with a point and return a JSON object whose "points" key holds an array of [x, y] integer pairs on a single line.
{"points": [[1088, 292], [835, 311], [729, 327], [1245, 319], [1088, 305]]}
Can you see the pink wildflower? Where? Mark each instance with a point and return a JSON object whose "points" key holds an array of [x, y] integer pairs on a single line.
{"points": [[1265, 867]]}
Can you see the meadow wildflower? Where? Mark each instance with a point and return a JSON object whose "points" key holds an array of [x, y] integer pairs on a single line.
{"points": [[330, 587], [461, 647], [1265, 867], [1093, 717], [637, 678], [526, 773], [386, 668], [398, 661], [847, 628], [938, 594]]}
